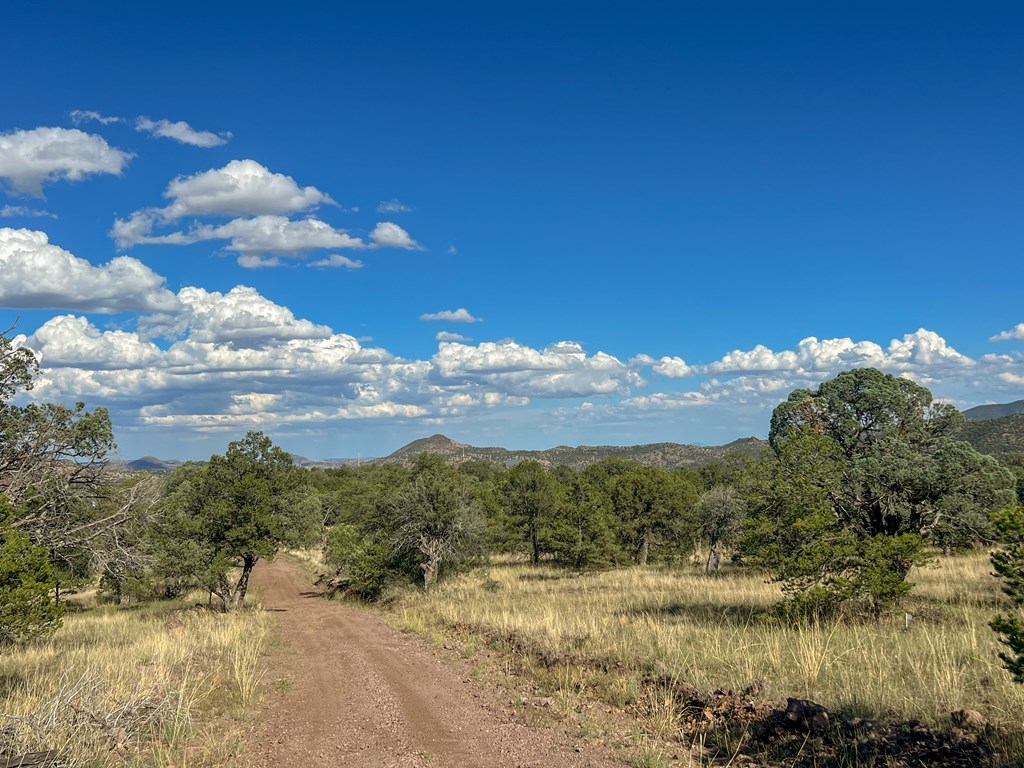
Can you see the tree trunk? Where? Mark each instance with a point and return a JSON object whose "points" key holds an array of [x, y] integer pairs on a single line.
{"points": [[431, 568], [714, 558], [645, 546], [535, 544], [237, 599]]}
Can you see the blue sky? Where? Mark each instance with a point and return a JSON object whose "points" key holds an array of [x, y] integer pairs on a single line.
{"points": [[664, 217]]}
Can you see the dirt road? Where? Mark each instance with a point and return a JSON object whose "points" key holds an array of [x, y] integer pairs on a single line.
{"points": [[362, 694]]}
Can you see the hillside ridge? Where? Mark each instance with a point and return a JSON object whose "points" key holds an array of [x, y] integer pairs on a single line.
{"points": [[665, 455]]}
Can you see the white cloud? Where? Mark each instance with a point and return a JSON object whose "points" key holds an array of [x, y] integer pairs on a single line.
{"points": [[240, 188], [23, 211], [29, 159], [460, 315], [242, 316], [79, 116], [560, 370], [34, 274], [922, 348], [666, 401], [452, 250], [67, 340], [274, 235], [672, 367], [1014, 334], [337, 260], [249, 261], [389, 235], [393, 206], [277, 235], [448, 336], [181, 132]]}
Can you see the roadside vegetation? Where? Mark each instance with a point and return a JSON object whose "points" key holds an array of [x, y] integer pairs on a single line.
{"points": [[846, 569], [106, 658], [148, 685], [653, 640]]}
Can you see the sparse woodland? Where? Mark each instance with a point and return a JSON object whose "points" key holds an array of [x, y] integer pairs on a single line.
{"points": [[850, 559]]}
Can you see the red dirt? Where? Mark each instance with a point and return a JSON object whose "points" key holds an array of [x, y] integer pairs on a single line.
{"points": [[362, 694]]}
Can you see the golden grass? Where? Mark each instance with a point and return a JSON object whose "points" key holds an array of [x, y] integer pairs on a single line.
{"points": [[707, 633], [151, 685]]}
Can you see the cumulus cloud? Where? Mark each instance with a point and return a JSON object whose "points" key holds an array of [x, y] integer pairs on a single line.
{"points": [[560, 370], [393, 206], [259, 203], [336, 260], [387, 234], [274, 235], [249, 261], [672, 367], [35, 274], [241, 188], [242, 317], [181, 132], [923, 348], [23, 211], [29, 159], [67, 341], [460, 315], [448, 336], [1014, 334], [665, 401]]}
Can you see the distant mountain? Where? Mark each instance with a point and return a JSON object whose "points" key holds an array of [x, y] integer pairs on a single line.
{"points": [[995, 435], [995, 411], [152, 464], [302, 461], [665, 455]]}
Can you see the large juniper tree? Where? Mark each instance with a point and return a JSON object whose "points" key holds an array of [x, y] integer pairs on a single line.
{"points": [[222, 517], [864, 471]]}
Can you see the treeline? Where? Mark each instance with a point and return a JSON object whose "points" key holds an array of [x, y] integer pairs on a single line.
{"points": [[863, 480], [420, 522]]}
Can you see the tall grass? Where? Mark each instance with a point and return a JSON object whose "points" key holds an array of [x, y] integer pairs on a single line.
{"points": [[710, 633], [148, 685]]}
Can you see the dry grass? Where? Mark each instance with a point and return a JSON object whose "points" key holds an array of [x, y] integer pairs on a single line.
{"points": [[707, 632], [151, 685]]}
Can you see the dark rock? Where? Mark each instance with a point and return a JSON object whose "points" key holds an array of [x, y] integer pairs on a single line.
{"points": [[806, 716]]}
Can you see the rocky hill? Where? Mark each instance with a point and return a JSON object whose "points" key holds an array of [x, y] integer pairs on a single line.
{"points": [[151, 464], [995, 435], [994, 411], [665, 455]]}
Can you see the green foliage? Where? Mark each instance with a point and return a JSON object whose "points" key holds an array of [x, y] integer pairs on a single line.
{"points": [[654, 508], [26, 578], [1009, 564], [864, 471], [719, 513], [363, 563], [435, 517], [1015, 463], [529, 496], [232, 511], [582, 533]]}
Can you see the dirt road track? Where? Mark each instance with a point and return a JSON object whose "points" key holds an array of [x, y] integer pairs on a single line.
{"points": [[362, 694]]}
